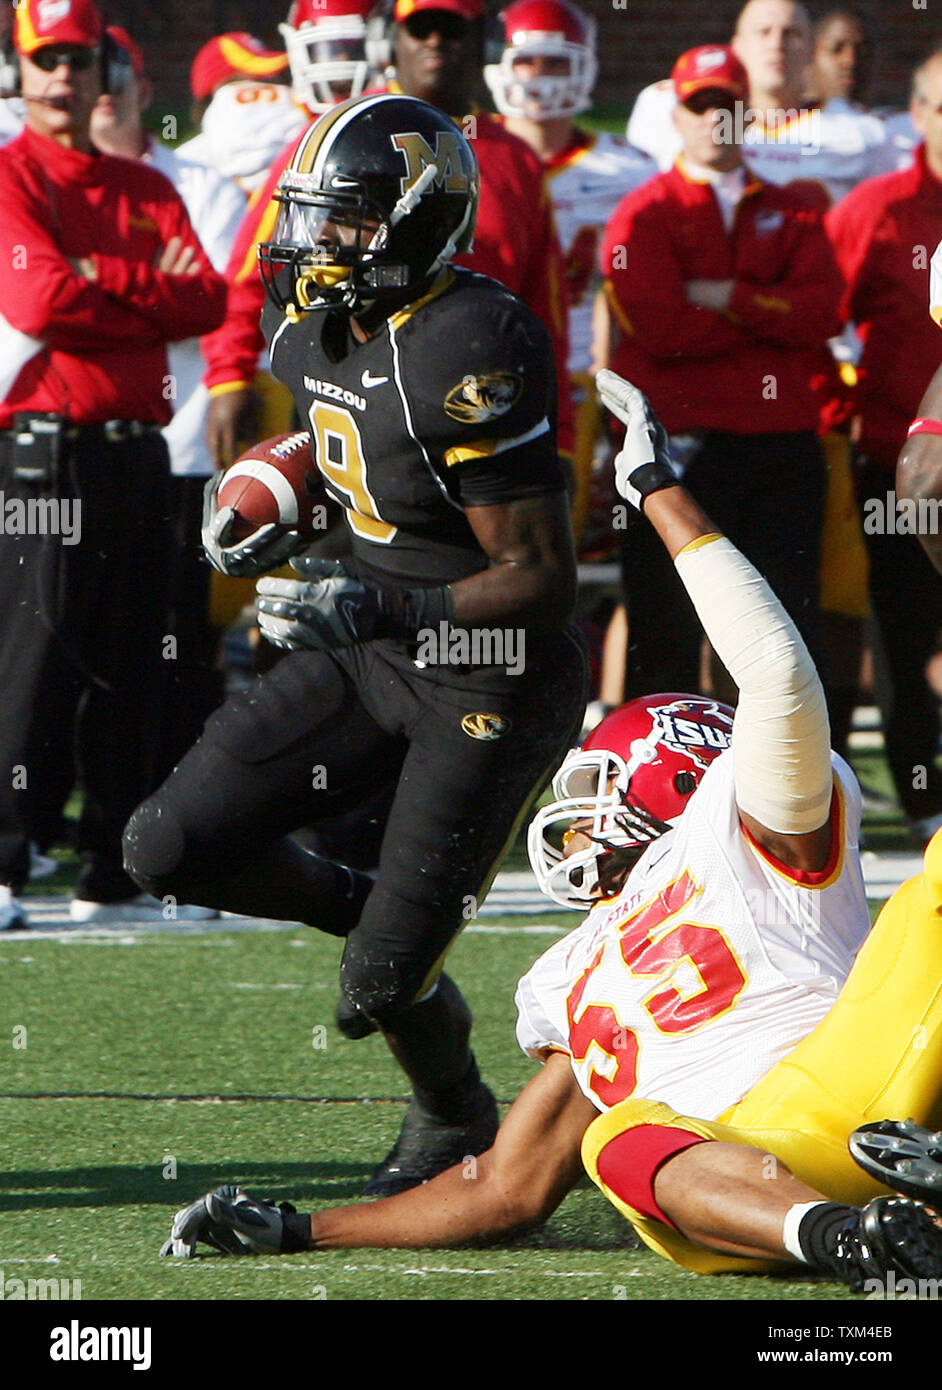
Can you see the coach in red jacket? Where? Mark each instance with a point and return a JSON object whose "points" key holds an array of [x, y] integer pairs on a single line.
{"points": [[100, 270], [725, 290], [884, 233]]}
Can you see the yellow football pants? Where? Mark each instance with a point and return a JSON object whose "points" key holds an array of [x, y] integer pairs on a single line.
{"points": [[877, 1055], [845, 568]]}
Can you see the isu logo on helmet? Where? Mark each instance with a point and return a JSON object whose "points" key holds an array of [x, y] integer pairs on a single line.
{"points": [[626, 786], [680, 727]]}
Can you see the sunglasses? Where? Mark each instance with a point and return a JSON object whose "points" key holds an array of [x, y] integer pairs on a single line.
{"points": [[451, 26], [76, 59]]}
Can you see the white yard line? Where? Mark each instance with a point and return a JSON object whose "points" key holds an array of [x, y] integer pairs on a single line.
{"points": [[514, 894]]}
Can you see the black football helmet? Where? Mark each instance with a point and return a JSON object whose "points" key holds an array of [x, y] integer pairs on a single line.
{"points": [[398, 172]]}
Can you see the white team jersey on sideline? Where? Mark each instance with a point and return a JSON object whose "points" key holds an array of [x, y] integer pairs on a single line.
{"points": [[709, 967], [586, 189], [215, 207], [838, 144], [244, 128], [651, 123], [902, 137]]}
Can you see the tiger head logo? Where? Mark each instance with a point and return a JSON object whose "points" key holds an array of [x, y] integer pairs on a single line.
{"points": [[479, 398]]}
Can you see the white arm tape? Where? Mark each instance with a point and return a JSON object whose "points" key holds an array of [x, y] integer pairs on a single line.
{"points": [[781, 738]]}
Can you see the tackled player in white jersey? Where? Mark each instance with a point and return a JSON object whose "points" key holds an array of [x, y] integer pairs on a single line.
{"points": [[709, 1014]]}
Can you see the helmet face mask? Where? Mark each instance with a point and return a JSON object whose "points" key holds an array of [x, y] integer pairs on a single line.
{"points": [[549, 30], [626, 787], [378, 196], [331, 245], [326, 47]]}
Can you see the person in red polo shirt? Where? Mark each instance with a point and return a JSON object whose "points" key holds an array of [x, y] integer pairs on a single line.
{"points": [[725, 291], [103, 270], [883, 233]]}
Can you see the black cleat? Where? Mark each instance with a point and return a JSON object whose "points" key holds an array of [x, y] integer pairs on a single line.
{"points": [[903, 1155], [427, 1146], [888, 1235]]}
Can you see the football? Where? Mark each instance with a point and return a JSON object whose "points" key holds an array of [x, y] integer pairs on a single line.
{"points": [[274, 481]]}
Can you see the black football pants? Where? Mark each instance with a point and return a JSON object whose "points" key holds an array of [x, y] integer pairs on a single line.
{"points": [[81, 652], [314, 738]]}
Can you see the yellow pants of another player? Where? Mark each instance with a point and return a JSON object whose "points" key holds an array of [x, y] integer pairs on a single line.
{"points": [[877, 1055], [845, 569]]}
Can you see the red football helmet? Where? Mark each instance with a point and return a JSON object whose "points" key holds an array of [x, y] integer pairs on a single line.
{"points": [[548, 29], [326, 45], [628, 783]]}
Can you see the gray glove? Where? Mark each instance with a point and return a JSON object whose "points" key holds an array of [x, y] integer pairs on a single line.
{"points": [[229, 1220], [265, 549], [643, 465], [321, 611]]}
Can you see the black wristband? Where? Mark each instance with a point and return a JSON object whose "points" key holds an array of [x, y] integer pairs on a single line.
{"points": [[404, 613], [295, 1230], [653, 477]]}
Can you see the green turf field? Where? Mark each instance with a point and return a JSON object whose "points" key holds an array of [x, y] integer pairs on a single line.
{"points": [[141, 1069], [158, 1054]]}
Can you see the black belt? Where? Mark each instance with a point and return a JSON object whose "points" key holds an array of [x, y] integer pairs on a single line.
{"points": [[108, 431]]}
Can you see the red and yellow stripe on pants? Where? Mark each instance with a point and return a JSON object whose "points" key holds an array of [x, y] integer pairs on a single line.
{"points": [[877, 1055]]}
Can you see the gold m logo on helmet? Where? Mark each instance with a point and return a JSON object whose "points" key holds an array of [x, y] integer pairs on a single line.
{"points": [[446, 157], [485, 726]]}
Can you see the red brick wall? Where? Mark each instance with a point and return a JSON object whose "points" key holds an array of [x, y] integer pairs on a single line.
{"points": [[638, 41]]}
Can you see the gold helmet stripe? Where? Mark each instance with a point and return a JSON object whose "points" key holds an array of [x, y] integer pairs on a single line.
{"points": [[317, 144]]}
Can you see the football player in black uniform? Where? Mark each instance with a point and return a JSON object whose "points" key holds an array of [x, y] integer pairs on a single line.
{"points": [[430, 393]]}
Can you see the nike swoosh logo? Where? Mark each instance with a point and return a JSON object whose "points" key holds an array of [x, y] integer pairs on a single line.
{"points": [[367, 380], [350, 612]]}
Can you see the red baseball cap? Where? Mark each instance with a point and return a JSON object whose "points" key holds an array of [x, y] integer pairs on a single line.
{"points": [[467, 9], [233, 55], [710, 68], [39, 23], [123, 39]]}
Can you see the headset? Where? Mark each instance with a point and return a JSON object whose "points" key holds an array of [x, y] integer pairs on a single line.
{"points": [[116, 69], [380, 36]]}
